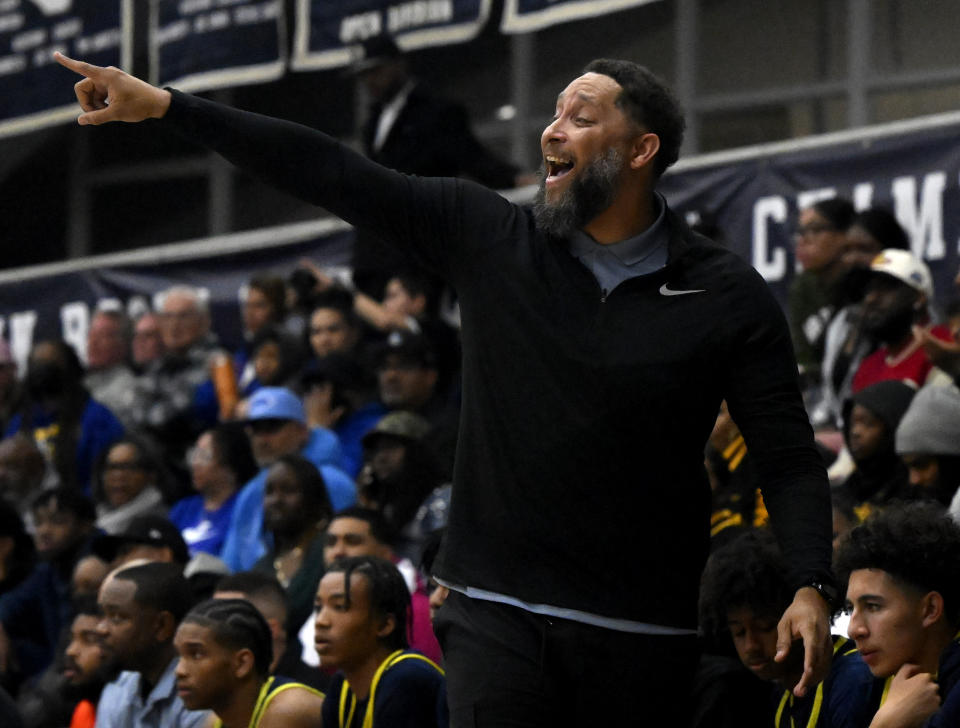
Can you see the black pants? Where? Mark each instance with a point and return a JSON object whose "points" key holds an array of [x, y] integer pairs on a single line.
{"points": [[509, 667]]}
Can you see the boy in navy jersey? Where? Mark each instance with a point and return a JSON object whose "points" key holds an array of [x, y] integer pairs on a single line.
{"points": [[744, 592], [363, 607], [902, 568], [225, 649]]}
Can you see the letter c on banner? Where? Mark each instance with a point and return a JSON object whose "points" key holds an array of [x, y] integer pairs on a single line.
{"points": [[75, 321], [771, 267]]}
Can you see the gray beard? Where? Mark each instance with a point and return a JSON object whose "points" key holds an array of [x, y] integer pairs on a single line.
{"points": [[589, 195]]}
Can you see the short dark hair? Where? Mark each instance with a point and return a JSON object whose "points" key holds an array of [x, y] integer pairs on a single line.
{"points": [[917, 544], [388, 593], [256, 585], [379, 528], [65, 499], [236, 624], [338, 299], [649, 102], [160, 585], [748, 572]]}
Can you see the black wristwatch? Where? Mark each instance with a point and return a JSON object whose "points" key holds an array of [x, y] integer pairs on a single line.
{"points": [[827, 591]]}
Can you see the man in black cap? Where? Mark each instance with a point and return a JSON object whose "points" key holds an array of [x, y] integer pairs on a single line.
{"points": [[412, 130], [152, 538]]}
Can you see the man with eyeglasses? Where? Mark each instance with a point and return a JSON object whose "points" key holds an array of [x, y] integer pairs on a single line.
{"points": [[277, 426]]}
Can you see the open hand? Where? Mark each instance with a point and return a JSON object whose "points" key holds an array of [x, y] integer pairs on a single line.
{"points": [[108, 94]]}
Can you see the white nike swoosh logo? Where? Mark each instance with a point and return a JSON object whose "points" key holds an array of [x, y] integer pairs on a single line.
{"points": [[664, 291]]}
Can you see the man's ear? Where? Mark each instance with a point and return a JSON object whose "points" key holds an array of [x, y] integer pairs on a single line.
{"points": [[243, 663], [165, 626], [931, 608], [387, 627], [643, 149]]}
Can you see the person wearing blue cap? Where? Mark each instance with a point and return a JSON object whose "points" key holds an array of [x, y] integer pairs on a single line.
{"points": [[277, 426]]}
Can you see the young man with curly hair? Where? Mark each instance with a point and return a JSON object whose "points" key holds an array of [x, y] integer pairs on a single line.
{"points": [[902, 568], [742, 594]]}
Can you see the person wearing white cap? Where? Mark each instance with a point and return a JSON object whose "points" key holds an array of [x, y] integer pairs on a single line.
{"points": [[897, 301]]}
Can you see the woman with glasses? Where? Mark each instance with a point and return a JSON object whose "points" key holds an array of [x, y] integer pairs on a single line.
{"points": [[130, 481], [220, 463], [818, 239]]}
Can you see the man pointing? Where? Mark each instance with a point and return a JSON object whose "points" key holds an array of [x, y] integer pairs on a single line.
{"points": [[599, 337]]}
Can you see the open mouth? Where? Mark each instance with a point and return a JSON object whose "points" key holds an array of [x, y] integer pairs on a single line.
{"points": [[557, 167]]}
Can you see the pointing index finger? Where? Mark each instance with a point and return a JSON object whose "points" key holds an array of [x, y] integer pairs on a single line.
{"points": [[81, 67]]}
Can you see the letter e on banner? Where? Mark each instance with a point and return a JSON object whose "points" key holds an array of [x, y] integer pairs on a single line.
{"points": [[773, 267]]}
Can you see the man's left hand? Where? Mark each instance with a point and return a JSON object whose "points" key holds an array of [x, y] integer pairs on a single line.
{"points": [[807, 618]]}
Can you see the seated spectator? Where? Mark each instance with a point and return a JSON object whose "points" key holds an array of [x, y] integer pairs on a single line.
{"points": [[340, 395], [401, 480], [142, 607], [264, 305], [34, 613], [192, 385], [334, 327], [85, 665], [902, 570], [276, 359], [67, 694], [363, 605], [225, 654], [296, 511], [880, 476], [846, 344], [109, 377], [71, 428], [147, 538], [265, 593], [220, 463], [128, 483], [819, 240], [928, 442], [360, 531], [147, 344], [407, 379], [276, 426], [23, 471], [744, 590], [898, 295]]}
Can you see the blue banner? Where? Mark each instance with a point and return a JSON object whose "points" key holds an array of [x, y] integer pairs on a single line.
{"points": [[197, 45], [754, 197], [328, 33], [526, 16], [31, 83]]}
